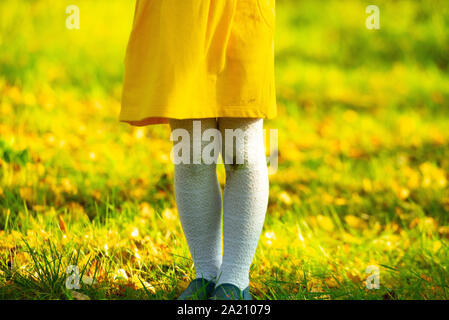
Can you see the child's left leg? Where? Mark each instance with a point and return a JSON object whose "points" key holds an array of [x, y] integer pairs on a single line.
{"points": [[245, 197]]}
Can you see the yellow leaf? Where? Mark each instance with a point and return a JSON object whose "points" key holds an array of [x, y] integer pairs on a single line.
{"points": [[285, 198], [139, 284], [146, 210], [331, 282], [169, 214], [444, 230], [38, 208], [403, 193], [355, 222], [120, 275], [79, 296], [26, 193], [62, 224], [325, 223], [134, 232], [436, 246]]}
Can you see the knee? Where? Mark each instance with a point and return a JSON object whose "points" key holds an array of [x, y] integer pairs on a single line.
{"points": [[195, 171], [248, 167]]}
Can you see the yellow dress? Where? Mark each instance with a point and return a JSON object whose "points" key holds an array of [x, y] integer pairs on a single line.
{"points": [[191, 59]]}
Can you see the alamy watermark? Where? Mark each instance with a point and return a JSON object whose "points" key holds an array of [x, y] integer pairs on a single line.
{"points": [[373, 20], [240, 146], [373, 280], [73, 20], [73, 280]]}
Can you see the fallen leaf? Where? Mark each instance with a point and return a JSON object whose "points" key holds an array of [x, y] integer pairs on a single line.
{"points": [[79, 296]]}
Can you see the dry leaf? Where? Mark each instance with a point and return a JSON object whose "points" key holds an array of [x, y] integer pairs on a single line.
{"points": [[62, 224], [79, 296]]}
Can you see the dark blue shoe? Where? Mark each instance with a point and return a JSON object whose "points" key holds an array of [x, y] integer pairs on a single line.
{"points": [[198, 289], [227, 291]]}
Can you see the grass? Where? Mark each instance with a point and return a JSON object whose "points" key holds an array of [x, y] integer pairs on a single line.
{"points": [[363, 160]]}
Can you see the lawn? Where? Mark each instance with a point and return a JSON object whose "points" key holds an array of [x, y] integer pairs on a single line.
{"points": [[363, 171]]}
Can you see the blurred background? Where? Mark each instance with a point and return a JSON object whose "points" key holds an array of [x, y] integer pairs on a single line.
{"points": [[363, 157]]}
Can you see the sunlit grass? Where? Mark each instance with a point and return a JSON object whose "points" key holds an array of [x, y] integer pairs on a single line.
{"points": [[363, 159]]}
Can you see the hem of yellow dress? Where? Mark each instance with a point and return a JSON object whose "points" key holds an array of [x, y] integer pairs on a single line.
{"points": [[234, 112]]}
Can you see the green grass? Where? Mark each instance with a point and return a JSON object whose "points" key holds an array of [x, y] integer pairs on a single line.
{"points": [[363, 159]]}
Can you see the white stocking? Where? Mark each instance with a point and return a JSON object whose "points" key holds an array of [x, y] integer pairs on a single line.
{"points": [[198, 199], [245, 199]]}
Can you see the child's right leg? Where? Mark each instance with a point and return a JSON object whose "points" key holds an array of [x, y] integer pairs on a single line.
{"points": [[198, 199]]}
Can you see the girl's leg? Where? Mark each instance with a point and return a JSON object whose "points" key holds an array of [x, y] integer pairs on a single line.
{"points": [[198, 199], [245, 196]]}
